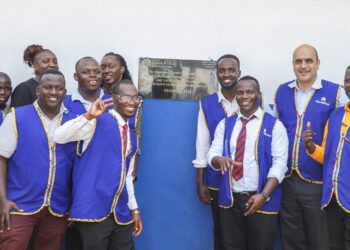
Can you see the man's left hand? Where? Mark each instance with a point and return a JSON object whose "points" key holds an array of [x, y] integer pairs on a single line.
{"points": [[255, 203], [137, 224]]}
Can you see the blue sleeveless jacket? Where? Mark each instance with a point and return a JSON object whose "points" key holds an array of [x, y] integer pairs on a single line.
{"points": [[318, 110], [1, 117], [99, 175], [336, 171], [32, 182], [264, 157]]}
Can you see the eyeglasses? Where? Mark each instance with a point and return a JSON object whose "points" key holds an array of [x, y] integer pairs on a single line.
{"points": [[127, 98]]}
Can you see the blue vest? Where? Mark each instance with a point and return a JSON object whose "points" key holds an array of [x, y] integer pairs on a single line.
{"points": [[336, 172], [1, 117], [264, 157], [32, 182], [99, 176], [213, 113], [319, 108], [78, 108]]}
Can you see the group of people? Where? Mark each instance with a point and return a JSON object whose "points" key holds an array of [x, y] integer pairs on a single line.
{"points": [[254, 166], [252, 163], [69, 157]]}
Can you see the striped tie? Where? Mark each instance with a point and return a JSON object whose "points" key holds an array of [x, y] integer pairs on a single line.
{"points": [[237, 172], [125, 139]]}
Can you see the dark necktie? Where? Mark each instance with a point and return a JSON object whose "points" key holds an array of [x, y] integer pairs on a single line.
{"points": [[237, 172], [124, 139]]}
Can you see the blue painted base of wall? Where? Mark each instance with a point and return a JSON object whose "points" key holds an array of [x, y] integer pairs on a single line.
{"points": [[173, 217]]}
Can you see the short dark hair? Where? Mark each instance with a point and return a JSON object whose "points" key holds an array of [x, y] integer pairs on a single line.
{"points": [[81, 59], [231, 57], [116, 86], [52, 72], [250, 78], [348, 68], [121, 60], [6, 77]]}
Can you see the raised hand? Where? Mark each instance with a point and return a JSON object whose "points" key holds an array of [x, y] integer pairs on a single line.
{"points": [[98, 108], [308, 138], [224, 163]]}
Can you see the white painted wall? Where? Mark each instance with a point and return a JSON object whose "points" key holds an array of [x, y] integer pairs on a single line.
{"points": [[262, 33]]}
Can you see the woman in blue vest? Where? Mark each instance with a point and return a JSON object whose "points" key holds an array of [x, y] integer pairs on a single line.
{"points": [[252, 166], [334, 154]]}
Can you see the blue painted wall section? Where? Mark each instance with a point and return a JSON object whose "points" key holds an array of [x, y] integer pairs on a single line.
{"points": [[173, 217]]}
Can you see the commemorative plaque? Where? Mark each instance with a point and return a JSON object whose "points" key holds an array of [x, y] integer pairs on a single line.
{"points": [[176, 79]]}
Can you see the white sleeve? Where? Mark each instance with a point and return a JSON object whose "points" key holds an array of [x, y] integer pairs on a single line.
{"points": [[132, 203], [217, 146], [342, 98], [77, 129], [279, 152], [202, 141], [8, 135]]}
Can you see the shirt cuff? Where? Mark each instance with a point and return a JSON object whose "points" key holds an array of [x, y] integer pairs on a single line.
{"points": [[318, 154]]}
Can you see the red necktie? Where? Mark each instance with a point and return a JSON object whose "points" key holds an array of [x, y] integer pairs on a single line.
{"points": [[124, 139], [237, 172]]}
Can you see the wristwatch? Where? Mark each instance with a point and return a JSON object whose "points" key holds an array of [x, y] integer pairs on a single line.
{"points": [[266, 196]]}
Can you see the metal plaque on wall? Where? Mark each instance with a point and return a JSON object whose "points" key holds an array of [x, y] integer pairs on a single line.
{"points": [[176, 79]]}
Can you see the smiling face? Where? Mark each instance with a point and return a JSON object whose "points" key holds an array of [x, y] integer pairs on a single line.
{"points": [[51, 92], [112, 70], [88, 75], [43, 61], [5, 90], [305, 65], [126, 108], [248, 96], [228, 73]]}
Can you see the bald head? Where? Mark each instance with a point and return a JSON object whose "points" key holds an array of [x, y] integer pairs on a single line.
{"points": [[305, 47]]}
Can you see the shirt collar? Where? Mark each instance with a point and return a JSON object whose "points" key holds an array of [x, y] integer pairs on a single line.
{"points": [[63, 109], [258, 114], [316, 85], [221, 97], [76, 96], [120, 119]]}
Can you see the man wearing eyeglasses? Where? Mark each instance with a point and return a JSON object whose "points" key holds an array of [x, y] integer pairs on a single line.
{"points": [[104, 205]]}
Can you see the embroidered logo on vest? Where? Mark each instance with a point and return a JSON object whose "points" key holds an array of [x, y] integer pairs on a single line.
{"points": [[266, 134], [323, 101]]}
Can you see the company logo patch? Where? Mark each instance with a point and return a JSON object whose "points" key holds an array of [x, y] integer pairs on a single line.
{"points": [[323, 101], [266, 134]]}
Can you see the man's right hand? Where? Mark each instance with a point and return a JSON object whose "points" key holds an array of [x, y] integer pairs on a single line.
{"points": [[5, 207], [203, 193], [224, 163], [98, 108], [308, 138]]}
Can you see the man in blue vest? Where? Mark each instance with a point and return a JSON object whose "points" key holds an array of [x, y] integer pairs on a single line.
{"points": [[307, 98], [35, 172], [5, 93], [213, 109], [334, 154], [104, 205], [249, 152]]}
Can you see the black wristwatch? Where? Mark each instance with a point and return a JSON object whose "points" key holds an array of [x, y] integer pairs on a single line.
{"points": [[266, 196]]}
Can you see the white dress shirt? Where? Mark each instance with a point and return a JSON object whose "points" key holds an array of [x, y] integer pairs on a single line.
{"points": [[279, 151], [8, 134], [76, 96], [203, 140], [302, 98], [81, 129]]}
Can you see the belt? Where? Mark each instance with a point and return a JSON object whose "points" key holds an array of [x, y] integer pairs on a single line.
{"points": [[244, 194]]}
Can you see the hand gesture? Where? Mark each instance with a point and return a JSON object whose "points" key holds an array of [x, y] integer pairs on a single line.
{"points": [[224, 163], [98, 108], [137, 224], [5, 207], [255, 202], [203, 193], [308, 138]]}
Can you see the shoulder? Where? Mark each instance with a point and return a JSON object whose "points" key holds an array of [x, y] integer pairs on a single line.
{"points": [[210, 98]]}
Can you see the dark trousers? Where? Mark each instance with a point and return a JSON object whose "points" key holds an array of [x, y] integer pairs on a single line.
{"points": [[338, 226], [303, 223], [239, 232], [105, 235], [47, 231], [216, 222]]}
